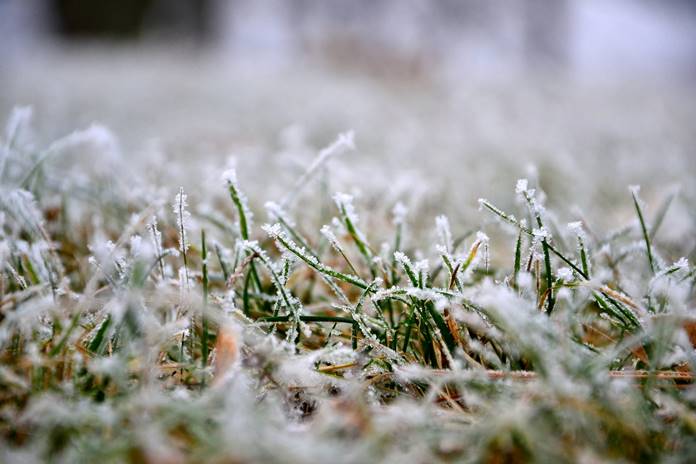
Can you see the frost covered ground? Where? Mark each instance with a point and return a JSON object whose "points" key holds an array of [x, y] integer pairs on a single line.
{"points": [[219, 262]]}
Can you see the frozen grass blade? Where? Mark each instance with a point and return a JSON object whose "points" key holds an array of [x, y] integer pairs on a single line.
{"points": [[344, 142], [646, 236], [157, 243], [276, 233], [245, 216], [224, 265], [661, 213], [182, 216], [576, 227], [345, 206], [518, 260], [204, 318]]}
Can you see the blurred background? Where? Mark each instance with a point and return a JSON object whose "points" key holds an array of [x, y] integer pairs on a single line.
{"points": [[486, 90], [405, 36]]}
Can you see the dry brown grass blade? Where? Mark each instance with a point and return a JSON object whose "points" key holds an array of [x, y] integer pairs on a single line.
{"points": [[337, 367], [239, 271], [681, 377], [640, 311], [226, 351], [690, 328], [600, 338]]}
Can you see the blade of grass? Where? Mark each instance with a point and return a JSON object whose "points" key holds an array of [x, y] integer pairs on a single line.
{"points": [[643, 227], [204, 319]]}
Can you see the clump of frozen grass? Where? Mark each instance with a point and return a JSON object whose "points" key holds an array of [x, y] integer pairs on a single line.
{"points": [[421, 351]]}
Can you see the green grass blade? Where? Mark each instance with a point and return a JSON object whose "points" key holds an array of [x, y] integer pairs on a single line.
{"points": [[644, 229]]}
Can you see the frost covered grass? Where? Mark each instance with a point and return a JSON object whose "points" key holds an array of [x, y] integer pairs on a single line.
{"points": [[141, 323]]}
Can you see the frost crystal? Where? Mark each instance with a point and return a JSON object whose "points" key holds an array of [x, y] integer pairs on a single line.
{"points": [[576, 227], [330, 236], [273, 230], [276, 212], [682, 263], [541, 233], [230, 176], [482, 237], [565, 274], [401, 258], [421, 266], [344, 202], [399, 213], [521, 186]]}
